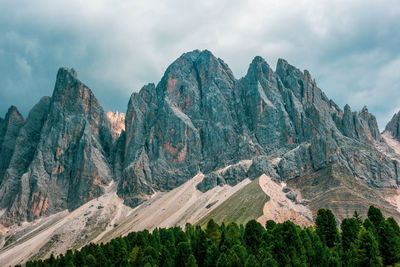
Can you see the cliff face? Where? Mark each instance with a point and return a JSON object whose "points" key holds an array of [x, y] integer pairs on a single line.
{"points": [[393, 127], [9, 130], [61, 155], [198, 118]]}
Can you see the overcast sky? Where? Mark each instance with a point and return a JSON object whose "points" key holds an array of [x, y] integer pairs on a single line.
{"points": [[351, 48]]}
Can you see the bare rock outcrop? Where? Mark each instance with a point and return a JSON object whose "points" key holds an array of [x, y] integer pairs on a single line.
{"points": [[117, 122], [393, 127], [198, 118], [61, 156], [9, 130]]}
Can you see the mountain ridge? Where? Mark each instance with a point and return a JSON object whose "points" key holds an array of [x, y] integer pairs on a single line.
{"points": [[198, 120], [174, 129]]}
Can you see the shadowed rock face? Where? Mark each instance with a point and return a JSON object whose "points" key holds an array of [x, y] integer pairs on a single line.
{"points": [[9, 130], [200, 118], [61, 154], [393, 127]]}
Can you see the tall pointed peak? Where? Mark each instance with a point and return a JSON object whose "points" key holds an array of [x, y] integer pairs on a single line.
{"points": [[13, 112], [204, 63], [259, 67], [282, 64], [347, 108], [66, 79], [364, 110], [65, 73]]}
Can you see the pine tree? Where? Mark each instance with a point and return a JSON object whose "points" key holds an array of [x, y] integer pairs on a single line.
{"points": [[213, 232], [90, 261], [368, 225], [367, 250], [191, 261], [183, 253], [241, 253], [212, 254], [357, 217], [270, 224], [376, 217], [350, 229], [136, 256], [326, 227], [253, 235], [389, 245], [165, 259], [394, 225], [252, 261], [288, 248]]}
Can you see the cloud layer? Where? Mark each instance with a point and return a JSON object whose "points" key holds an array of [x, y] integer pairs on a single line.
{"points": [[350, 47]]}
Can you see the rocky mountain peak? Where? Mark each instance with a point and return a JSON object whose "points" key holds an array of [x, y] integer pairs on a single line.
{"points": [[393, 126], [62, 154], [13, 115], [71, 92], [259, 68], [9, 130], [198, 118], [347, 108]]}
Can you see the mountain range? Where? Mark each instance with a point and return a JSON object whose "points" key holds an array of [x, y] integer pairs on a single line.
{"points": [[200, 144]]}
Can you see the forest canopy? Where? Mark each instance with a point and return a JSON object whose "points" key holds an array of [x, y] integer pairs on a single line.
{"points": [[374, 241]]}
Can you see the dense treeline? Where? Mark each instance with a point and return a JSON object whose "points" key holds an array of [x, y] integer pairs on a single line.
{"points": [[372, 242]]}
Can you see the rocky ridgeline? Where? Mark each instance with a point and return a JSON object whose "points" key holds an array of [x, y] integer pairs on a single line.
{"points": [[198, 118], [393, 127], [61, 153]]}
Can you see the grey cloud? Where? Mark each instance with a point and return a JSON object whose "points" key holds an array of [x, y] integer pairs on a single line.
{"points": [[350, 47]]}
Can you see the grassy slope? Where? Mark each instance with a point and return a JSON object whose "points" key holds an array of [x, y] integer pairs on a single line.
{"points": [[244, 205]]}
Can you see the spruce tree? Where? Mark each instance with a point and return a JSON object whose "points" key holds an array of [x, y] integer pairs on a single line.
{"points": [[213, 232], [367, 250], [389, 244], [350, 229], [252, 261], [253, 235], [326, 227], [376, 217], [357, 217]]}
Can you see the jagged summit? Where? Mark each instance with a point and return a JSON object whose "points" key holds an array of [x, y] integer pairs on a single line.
{"points": [[61, 153], [197, 129], [198, 118], [65, 72]]}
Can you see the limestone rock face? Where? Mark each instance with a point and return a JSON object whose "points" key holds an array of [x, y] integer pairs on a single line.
{"points": [[199, 118], [61, 156], [393, 127], [186, 124], [9, 130], [117, 122]]}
